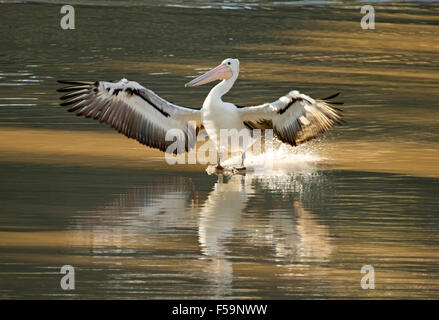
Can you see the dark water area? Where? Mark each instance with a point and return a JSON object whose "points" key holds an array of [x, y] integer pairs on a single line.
{"points": [[73, 192], [133, 234]]}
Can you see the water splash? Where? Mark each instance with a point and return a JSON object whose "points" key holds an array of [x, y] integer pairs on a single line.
{"points": [[281, 160]]}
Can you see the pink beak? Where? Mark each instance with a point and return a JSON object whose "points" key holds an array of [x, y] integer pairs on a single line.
{"points": [[222, 72]]}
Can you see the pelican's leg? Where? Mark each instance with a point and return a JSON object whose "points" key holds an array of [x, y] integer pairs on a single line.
{"points": [[240, 170], [220, 157], [242, 159]]}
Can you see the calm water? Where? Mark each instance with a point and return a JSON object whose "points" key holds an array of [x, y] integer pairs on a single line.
{"points": [[73, 192]]}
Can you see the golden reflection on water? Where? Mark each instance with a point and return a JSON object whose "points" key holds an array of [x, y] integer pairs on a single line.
{"points": [[220, 218], [112, 149], [296, 242], [395, 156], [79, 148], [340, 44], [274, 72]]}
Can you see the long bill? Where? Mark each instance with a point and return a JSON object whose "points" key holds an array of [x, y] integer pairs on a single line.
{"points": [[221, 72]]}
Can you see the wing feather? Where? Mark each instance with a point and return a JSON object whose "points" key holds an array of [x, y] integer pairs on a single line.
{"points": [[295, 118], [132, 110]]}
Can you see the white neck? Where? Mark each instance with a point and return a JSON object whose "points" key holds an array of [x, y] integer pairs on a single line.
{"points": [[221, 89]]}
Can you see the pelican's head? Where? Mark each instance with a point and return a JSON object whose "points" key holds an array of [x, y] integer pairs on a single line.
{"points": [[227, 69]]}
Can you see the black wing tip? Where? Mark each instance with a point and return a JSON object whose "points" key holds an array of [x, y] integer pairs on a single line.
{"points": [[332, 96], [65, 81], [68, 102], [332, 103], [74, 86], [341, 122], [61, 89], [76, 82], [70, 88]]}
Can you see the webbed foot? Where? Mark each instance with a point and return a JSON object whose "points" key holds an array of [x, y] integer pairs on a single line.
{"points": [[240, 170]]}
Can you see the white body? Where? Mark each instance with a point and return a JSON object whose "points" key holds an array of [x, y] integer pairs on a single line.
{"points": [[216, 116]]}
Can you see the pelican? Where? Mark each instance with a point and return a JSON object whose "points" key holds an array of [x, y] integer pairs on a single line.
{"points": [[141, 114]]}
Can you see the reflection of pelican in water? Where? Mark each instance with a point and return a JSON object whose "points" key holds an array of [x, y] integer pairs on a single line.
{"points": [[252, 216], [298, 236], [221, 212], [293, 238]]}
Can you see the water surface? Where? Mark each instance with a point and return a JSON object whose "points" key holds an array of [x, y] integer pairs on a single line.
{"points": [[75, 192]]}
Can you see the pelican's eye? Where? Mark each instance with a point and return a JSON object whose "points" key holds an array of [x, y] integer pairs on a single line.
{"points": [[229, 63]]}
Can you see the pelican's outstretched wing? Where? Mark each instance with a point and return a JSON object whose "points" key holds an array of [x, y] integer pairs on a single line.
{"points": [[294, 118], [133, 110]]}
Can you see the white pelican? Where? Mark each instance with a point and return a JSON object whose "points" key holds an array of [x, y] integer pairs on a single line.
{"points": [[139, 113]]}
